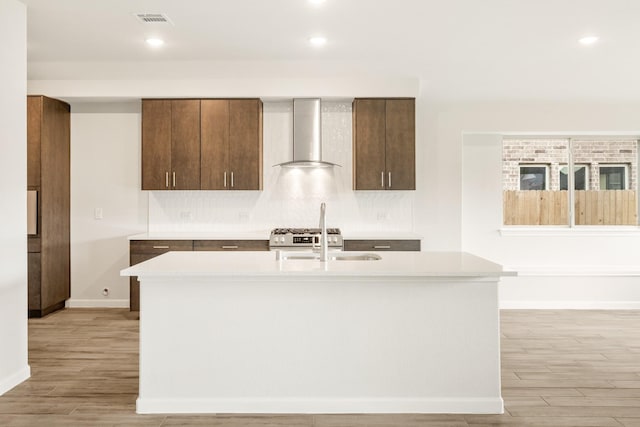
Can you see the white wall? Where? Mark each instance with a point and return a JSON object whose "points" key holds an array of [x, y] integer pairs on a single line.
{"points": [[282, 86], [291, 197], [105, 140], [105, 175], [451, 213], [571, 268], [13, 185]]}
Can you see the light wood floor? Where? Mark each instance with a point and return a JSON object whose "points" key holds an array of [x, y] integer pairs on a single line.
{"points": [[559, 368]]}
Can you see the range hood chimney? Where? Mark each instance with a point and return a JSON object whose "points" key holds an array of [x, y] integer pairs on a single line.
{"points": [[307, 135]]}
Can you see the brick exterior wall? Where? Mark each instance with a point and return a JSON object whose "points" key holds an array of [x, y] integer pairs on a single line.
{"points": [[554, 154]]}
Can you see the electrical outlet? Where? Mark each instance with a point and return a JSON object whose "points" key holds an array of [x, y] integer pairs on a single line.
{"points": [[97, 213], [185, 215]]}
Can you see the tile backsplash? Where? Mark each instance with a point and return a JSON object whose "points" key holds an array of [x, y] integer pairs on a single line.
{"points": [[291, 197]]}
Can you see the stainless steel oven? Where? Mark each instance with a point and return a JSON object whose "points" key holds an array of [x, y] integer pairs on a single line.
{"points": [[301, 239]]}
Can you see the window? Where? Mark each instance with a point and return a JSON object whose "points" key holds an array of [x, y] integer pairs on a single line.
{"points": [[580, 177], [604, 189], [613, 177], [533, 177]]}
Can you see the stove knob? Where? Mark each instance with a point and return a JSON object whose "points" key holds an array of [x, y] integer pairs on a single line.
{"points": [[281, 239]]}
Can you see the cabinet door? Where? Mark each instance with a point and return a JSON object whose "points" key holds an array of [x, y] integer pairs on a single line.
{"points": [[55, 203], [143, 250], [156, 144], [134, 285], [34, 281], [245, 144], [34, 117], [400, 144], [185, 144], [214, 144], [369, 144], [382, 245]]}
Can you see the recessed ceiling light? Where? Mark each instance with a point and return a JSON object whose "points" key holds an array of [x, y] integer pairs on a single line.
{"points": [[318, 41], [589, 40], [154, 42], [316, 1]]}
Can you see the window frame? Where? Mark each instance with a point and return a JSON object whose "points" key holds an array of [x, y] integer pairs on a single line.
{"points": [[571, 227], [625, 166], [587, 174], [534, 165]]}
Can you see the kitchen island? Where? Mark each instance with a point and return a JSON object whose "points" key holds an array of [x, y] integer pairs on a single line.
{"points": [[242, 332]]}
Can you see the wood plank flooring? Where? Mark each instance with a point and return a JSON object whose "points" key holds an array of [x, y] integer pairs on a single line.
{"points": [[559, 368]]}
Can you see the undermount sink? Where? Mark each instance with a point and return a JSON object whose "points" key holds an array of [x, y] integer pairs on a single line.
{"points": [[355, 257], [339, 256]]}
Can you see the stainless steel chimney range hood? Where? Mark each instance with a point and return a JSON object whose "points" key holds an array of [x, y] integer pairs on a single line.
{"points": [[307, 135]]}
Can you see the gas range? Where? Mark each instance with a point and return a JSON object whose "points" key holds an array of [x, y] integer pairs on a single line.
{"points": [[301, 238]]}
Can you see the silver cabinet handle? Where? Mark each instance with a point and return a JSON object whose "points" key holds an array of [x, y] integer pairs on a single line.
{"points": [[225, 179], [230, 247], [166, 179], [161, 247], [382, 247], [174, 180], [231, 179], [389, 179], [382, 179]]}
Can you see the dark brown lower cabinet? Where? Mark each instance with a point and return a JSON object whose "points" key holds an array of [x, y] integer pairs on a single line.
{"points": [[34, 261], [143, 250], [230, 245], [382, 245]]}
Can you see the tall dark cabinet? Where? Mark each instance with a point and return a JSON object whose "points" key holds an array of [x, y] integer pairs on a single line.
{"points": [[48, 180]]}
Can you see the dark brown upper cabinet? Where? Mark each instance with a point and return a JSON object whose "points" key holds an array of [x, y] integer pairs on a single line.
{"points": [[384, 144], [171, 144], [231, 144]]}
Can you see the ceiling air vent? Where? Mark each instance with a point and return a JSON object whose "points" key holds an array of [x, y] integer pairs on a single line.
{"points": [[153, 18]]}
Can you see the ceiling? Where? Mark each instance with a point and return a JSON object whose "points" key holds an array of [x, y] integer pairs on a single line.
{"points": [[471, 49]]}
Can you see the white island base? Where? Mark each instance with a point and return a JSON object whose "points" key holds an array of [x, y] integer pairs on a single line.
{"points": [[243, 333]]}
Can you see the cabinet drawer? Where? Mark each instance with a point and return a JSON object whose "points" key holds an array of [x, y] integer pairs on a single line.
{"points": [[158, 247], [33, 244], [138, 258], [134, 286], [143, 250], [231, 245], [382, 245]]}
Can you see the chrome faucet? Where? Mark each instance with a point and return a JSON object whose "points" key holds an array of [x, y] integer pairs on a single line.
{"points": [[324, 244]]}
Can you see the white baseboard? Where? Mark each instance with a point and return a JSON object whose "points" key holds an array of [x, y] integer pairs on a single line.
{"points": [[97, 303], [569, 305], [14, 379], [323, 406]]}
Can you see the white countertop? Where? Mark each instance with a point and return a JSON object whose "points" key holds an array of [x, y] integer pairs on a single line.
{"points": [[380, 235], [264, 235], [264, 264], [215, 235]]}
